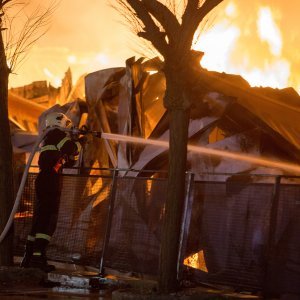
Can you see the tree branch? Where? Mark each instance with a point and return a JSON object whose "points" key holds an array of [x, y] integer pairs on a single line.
{"points": [[165, 17], [151, 31], [33, 28], [193, 17], [207, 7], [3, 3], [190, 9]]}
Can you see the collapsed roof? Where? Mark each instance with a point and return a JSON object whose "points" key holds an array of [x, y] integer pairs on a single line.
{"points": [[28, 105], [226, 113]]}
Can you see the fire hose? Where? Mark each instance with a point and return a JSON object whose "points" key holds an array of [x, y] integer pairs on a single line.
{"points": [[74, 131]]}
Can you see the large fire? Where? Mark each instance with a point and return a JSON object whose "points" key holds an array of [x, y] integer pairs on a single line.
{"points": [[249, 45], [256, 40]]}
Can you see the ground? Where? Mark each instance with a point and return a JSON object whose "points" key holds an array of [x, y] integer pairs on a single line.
{"points": [[18, 283]]}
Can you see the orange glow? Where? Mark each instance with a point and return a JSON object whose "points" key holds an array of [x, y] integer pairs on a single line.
{"points": [[252, 41], [55, 80], [86, 36], [196, 261], [258, 40], [25, 214]]}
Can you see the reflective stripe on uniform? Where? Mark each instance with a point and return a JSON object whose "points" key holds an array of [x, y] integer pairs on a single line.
{"points": [[42, 236], [37, 253], [62, 142], [74, 157], [78, 146], [48, 147]]}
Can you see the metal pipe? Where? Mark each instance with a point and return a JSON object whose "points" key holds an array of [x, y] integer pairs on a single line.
{"points": [[109, 219], [185, 223]]}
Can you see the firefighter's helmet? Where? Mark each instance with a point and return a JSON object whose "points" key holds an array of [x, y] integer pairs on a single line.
{"points": [[57, 119]]}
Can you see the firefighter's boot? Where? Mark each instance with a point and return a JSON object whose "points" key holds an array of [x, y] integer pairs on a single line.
{"points": [[39, 261], [28, 252], [39, 258]]}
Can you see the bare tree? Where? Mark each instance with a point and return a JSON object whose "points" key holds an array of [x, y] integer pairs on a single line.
{"points": [[13, 48], [170, 27]]}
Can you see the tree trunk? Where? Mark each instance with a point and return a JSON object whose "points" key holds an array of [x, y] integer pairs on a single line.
{"points": [[178, 114], [6, 162]]}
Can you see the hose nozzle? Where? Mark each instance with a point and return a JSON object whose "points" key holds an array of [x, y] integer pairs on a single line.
{"points": [[83, 130]]}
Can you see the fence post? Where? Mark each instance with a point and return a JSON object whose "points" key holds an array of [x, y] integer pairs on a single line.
{"points": [[274, 214], [109, 219], [268, 273], [185, 223]]}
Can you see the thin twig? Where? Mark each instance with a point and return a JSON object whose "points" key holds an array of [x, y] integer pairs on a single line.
{"points": [[19, 42]]}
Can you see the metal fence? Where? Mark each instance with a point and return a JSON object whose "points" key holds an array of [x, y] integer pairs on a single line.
{"points": [[105, 220], [243, 231]]}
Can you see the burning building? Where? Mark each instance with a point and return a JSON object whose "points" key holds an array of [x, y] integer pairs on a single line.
{"points": [[226, 114], [236, 132]]}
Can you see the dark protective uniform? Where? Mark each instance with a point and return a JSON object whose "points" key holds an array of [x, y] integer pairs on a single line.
{"points": [[57, 150]]}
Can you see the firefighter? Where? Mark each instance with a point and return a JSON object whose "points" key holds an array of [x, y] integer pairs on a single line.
{"points": [[58, 149]]}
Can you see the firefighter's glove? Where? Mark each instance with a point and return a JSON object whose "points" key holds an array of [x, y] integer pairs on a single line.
{"points": [[74, 134], [96, 134], [82, 140], [84, 130]]}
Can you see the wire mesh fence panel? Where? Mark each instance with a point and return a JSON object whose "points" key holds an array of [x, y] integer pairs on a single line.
{"points": [[82, 218], [241, 232], [283, 274], [229, 231], [136, 225], [23, 218]]}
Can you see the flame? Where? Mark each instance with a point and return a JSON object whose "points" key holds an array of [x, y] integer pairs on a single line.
{"points": [[72, 59], [275, 74], [268, 30], [223, 34], [24, 214], [231, 10], [54, 80], [102, 59], [252, 49], [247, 39], [196, 261]]}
